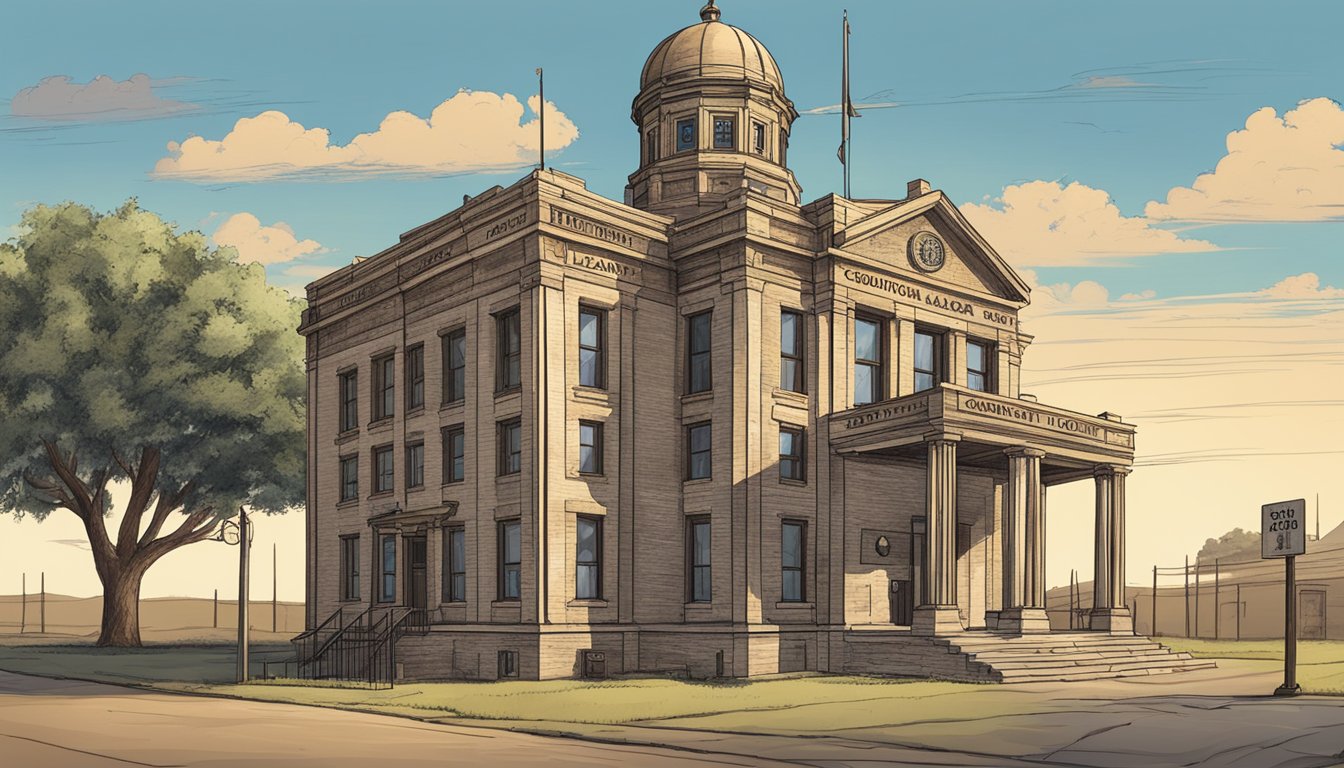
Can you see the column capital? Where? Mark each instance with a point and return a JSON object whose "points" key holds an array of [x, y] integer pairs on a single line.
{"points": [[1023, 450], [1110, 470], [942, 437]]}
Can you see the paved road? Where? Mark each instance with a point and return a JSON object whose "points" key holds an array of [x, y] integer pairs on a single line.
{"points": [[1177, 721], [68, 724]]}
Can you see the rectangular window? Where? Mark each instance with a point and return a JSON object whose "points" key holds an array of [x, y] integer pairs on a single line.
{"points": [[698, 370], [510, 342], [698, 586], [382, 469], [792, 366], [758, 138], [592, 347], [725, 133], [792, 447], [508, 663], [590, 448], [783, 147], [415, 377], [454, 454], [387, 591], [454, 565], [588, 559], [686, 134], [699, 442], [350, 567], [650, 145], [455, 366], [510, 447], [349, 478], [928, 359], [869, 373], [349, 401], [510, 560], [415, 465], [384, 387], [791, 559], [979, 369]]}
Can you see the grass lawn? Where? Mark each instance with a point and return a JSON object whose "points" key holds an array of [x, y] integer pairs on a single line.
{"points": [[1320, 663], [138, 666]]}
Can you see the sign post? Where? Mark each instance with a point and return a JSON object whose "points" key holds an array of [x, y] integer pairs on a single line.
{"points": [[1283, 534]]}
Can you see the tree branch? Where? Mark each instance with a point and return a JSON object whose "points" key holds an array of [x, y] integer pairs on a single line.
{"points": [[142, 489], [94, 524], [53, 492], [196, 527], [166, 504]]}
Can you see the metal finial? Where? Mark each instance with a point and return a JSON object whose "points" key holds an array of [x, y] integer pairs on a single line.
{"points": [[710, 12]]}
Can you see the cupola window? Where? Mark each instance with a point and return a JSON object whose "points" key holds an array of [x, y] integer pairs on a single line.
{"points": [[686, 134], [724, 133]]}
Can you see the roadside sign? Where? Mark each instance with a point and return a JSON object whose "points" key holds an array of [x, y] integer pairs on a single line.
{"points": [[1283, 531]]}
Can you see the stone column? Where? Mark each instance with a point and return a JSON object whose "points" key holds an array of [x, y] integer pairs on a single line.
{"points": [[937, 612], [1024, 545], [1109, 612]]}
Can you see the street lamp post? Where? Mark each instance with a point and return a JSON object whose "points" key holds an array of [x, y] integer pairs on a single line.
{"points": [[240, 533]]}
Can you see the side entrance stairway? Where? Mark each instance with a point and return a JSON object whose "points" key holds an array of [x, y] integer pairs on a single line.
{"points": [[980, 656]]}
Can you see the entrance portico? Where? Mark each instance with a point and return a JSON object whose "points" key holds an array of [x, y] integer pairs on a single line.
{"points": [[1026, 447]]}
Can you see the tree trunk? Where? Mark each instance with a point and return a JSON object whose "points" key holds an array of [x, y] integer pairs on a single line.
{"points": [[121, 610]]}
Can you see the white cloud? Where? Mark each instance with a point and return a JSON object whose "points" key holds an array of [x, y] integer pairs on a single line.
{"points": [[1304, 286], [1276, 169], [1041, 223], [472, 131], [257, 243], [1139, 296], [58, 98]]}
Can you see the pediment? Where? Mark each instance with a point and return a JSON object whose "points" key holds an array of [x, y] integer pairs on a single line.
{"points": [[969, 261]]}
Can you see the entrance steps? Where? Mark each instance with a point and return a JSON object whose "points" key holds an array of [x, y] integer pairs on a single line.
{"points": [[991, 657]]}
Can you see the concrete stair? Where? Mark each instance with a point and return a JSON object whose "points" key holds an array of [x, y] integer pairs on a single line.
{"points": [[1061, 656]]}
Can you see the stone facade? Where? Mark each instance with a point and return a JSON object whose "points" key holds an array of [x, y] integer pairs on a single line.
{"points": [[921, 512]]}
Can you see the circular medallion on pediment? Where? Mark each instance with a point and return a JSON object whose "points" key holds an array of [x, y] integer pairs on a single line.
{"points": [[883, 546], [927, 252]]}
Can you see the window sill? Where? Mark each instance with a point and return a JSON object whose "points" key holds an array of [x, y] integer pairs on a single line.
{"points": [[508, 391], [795, 605], [382, 425], [382, 494], [789, 397], [452, 406], [599, 395], [696, 397], [590, 477], [698, 481], [453, 484], [509, 603], [348, 503], [793, 481], [699, 605], [344, 437], [416, 411], [415, 488], [587, 603]]}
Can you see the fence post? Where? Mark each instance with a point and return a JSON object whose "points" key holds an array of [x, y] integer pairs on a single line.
{"points": [[23, 609], [1187, 596], [1217, 599], [42, 607], [274, 586], [1238, 610], [216, 606]]}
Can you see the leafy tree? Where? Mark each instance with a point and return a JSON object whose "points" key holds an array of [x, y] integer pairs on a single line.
{"points": [[130, 352], [1234, 545]]}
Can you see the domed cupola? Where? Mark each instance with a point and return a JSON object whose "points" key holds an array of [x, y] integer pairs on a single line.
{"points": [[713, 118]]}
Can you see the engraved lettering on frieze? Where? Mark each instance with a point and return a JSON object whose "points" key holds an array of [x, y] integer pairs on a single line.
{"points": [[1014, 412], [929, 298], [505, 226], [424, 262], [591, 228], [886, 412], [599, 264]]}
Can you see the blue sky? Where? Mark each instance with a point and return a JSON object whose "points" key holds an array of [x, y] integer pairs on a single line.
{"points": [[992, 94], [1053, 125]]}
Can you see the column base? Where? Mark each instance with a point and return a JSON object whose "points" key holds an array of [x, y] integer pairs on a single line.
{"points": [[936, 620], [1116, 621], [1023, 621]]}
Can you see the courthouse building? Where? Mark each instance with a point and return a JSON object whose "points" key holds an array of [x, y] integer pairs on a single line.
{"points": [[712, 429]]}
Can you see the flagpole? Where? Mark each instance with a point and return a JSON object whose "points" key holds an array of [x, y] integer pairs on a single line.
{"points": [[844, 103], [541, 96]]}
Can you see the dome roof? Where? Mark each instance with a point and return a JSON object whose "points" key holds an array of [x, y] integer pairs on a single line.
{"points": [[711, 49]]}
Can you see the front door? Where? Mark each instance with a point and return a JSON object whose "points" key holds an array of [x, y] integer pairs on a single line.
{"points": [[416, 577]]}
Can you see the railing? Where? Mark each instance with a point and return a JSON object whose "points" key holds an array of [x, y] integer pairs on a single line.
{"points": [[360, 651]]}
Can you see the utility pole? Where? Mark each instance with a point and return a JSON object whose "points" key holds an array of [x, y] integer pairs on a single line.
{"points": [[23, 610], [42, 606], [1238, 610], [274, 586], [1153, 627], [1187, 596], [216, 604], [1197, 591], [1217, 599]]}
